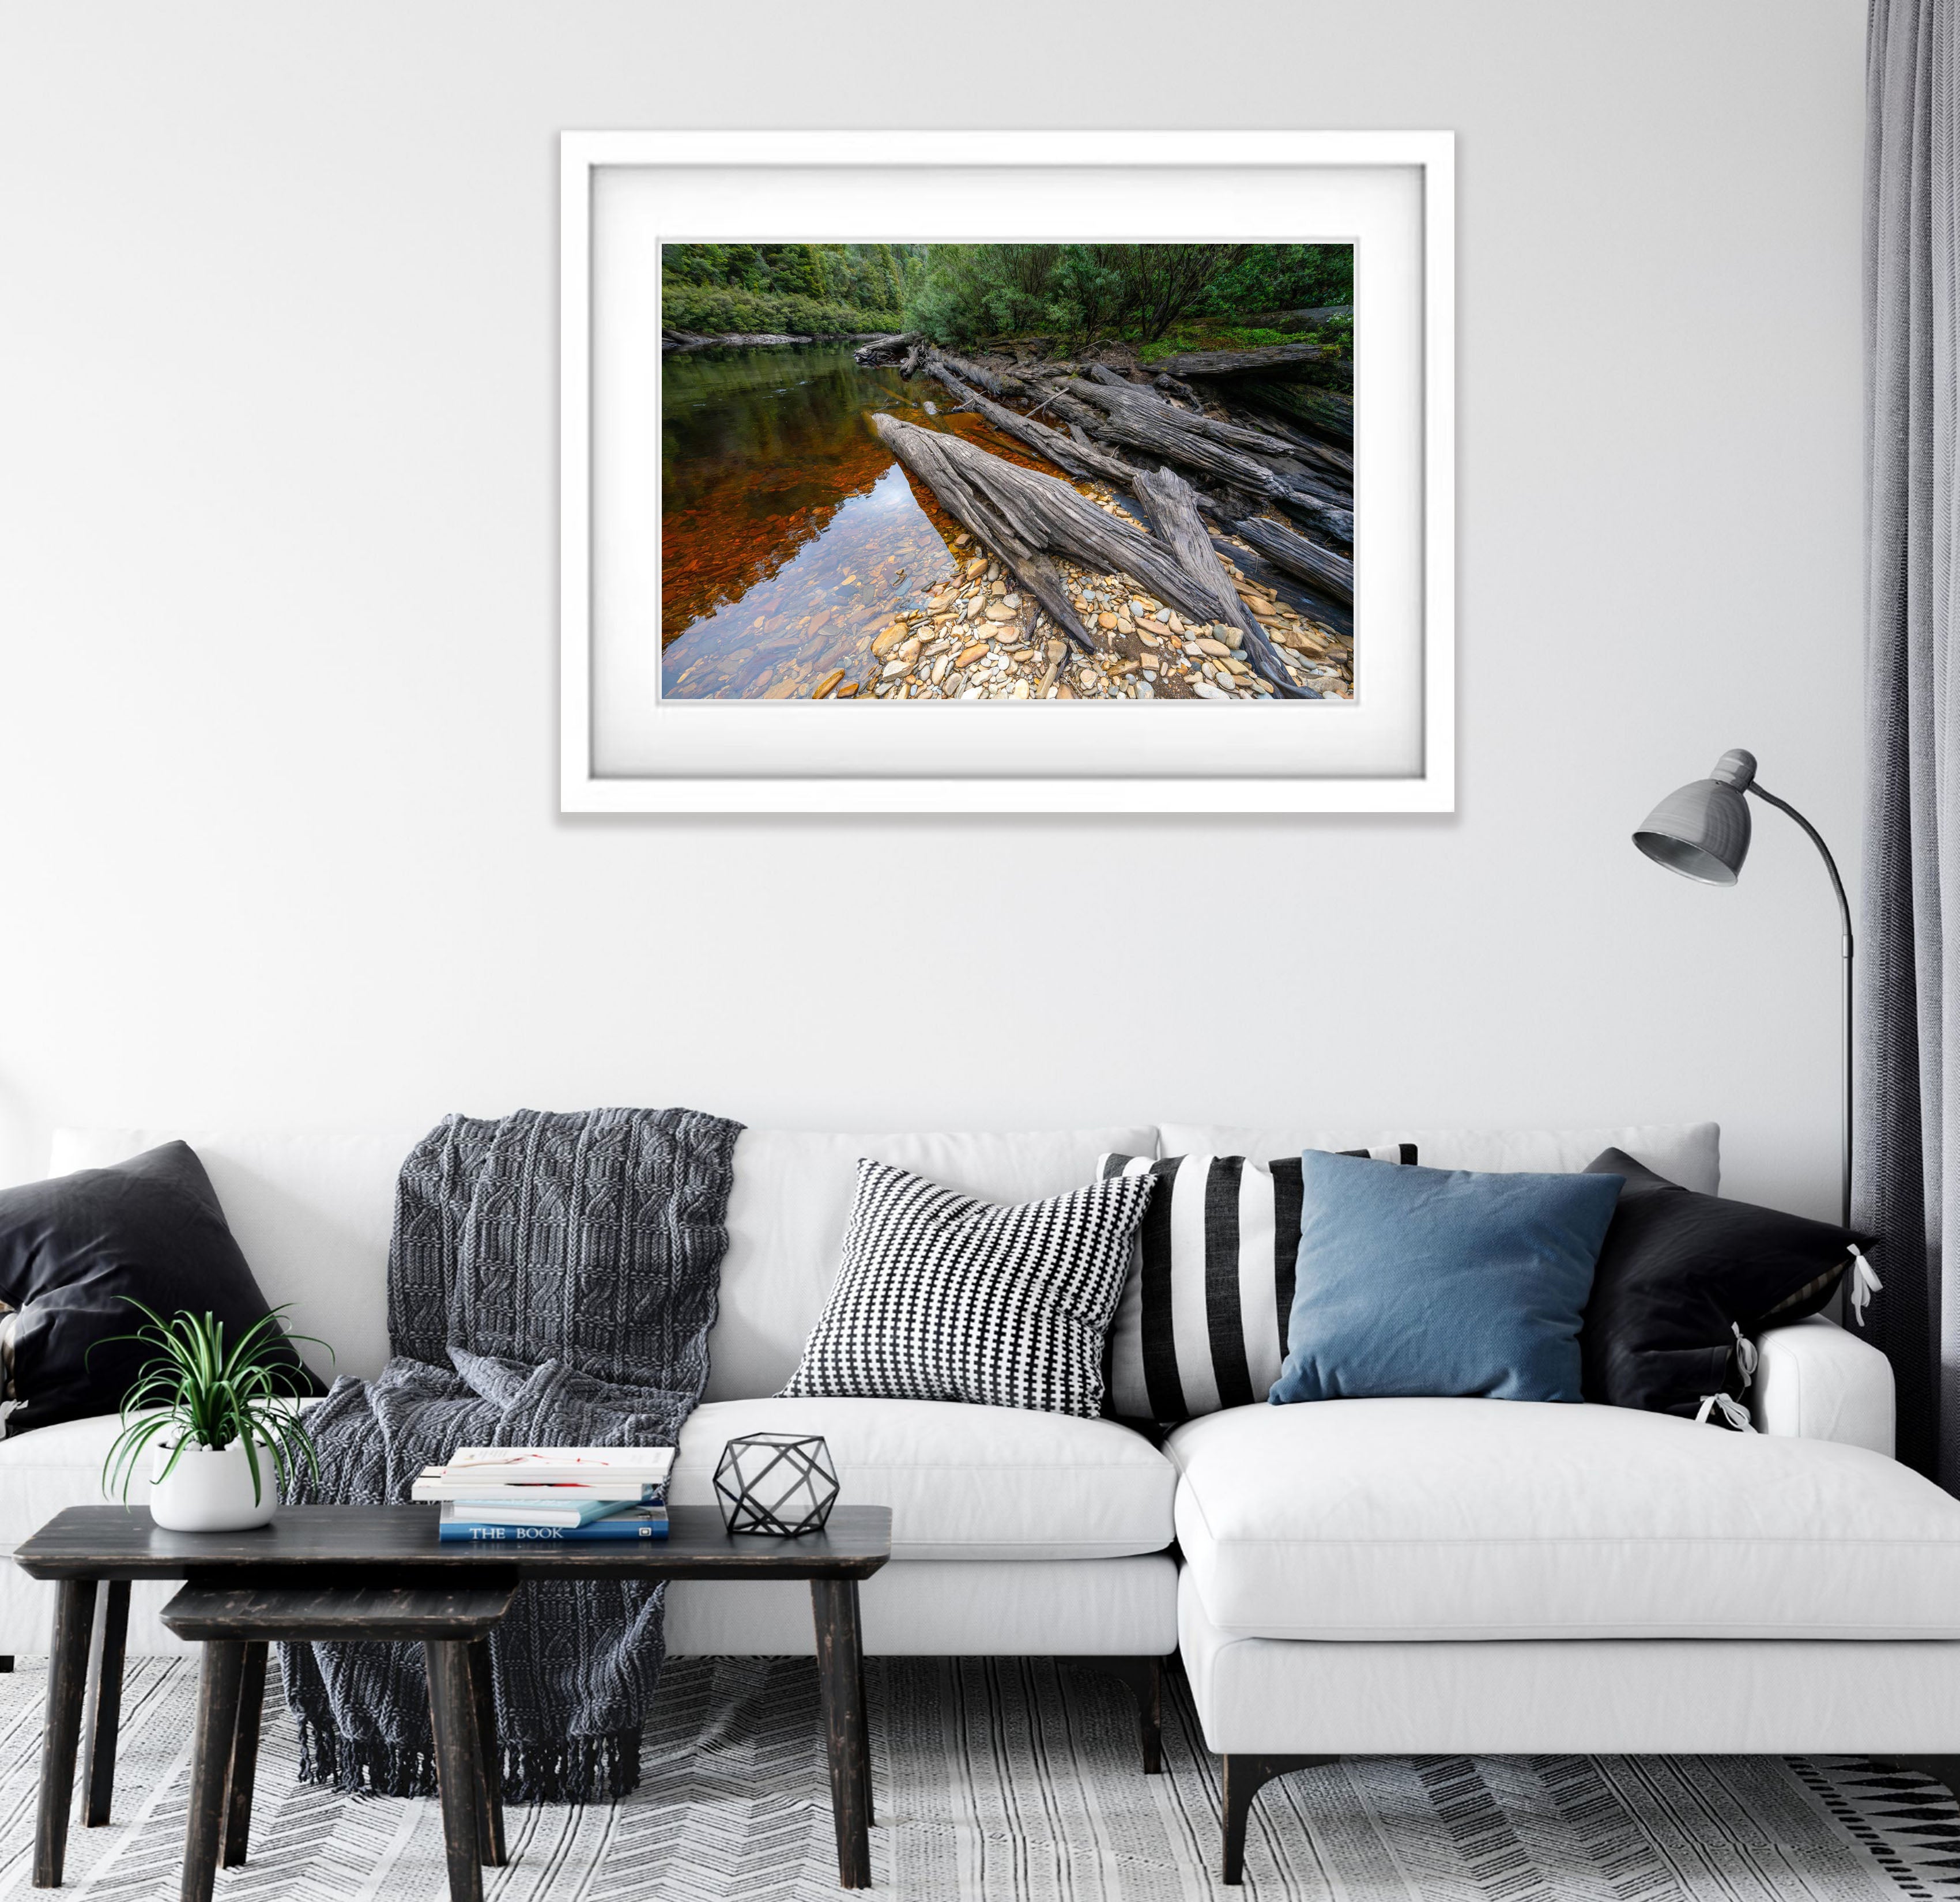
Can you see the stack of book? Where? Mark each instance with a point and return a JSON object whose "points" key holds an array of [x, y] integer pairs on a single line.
{"points": [[493, 1492]]}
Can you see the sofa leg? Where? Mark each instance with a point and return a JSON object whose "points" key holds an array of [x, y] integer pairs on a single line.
{"points": [[1145, 1677], [1944, 1770], [1245, 1776], [6, 1662]]}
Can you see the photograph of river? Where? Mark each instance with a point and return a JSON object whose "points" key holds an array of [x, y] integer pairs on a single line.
{"points": [[1008, 472]]}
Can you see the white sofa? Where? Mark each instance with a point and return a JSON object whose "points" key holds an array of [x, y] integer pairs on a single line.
{"points": [[1357, 1577]]}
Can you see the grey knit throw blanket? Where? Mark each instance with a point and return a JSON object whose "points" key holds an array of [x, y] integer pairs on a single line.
{"points": [[551, 1280]]}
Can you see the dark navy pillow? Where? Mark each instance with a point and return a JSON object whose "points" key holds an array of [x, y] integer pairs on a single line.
{"points": [[1444, 1282], [1685, 1280], [72, 1247]]}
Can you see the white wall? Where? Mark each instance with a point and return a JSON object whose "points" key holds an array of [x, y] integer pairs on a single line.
{"points": [[277, 834]]}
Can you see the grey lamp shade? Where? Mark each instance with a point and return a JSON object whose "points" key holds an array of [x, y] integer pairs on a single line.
{"points": [[1702, 830]]}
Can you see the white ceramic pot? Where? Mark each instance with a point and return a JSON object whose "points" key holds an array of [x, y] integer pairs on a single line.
{"points": [[211, 1492]]}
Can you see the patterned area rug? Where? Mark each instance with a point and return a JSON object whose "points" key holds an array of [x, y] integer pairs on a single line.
{"points": [[1013, 1779]]}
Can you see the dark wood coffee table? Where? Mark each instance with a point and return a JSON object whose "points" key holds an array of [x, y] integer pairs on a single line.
{"points": [[87, 1546]]}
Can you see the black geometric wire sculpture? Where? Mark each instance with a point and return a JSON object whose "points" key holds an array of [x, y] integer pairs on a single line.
{"points": [[780, 1483]]}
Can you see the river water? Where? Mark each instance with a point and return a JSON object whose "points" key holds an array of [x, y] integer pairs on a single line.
{"points": [[789, 534]]}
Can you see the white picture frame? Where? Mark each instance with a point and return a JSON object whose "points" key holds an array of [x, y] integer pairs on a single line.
{"points": [[1391, 750]]}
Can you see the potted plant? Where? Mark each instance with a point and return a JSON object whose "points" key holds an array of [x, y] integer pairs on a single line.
{"points": [[220, 1422]]}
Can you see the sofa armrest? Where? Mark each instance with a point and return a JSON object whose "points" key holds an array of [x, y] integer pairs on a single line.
{"points": [[1815, 1380]]}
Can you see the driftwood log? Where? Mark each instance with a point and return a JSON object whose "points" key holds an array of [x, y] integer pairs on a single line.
{"points": [[1025, 517], [1174, 435], [1336, 464], [1173, 510], [1326, 412], [1242, 363], [885, 349], [995, 383], [1257, 442], [1078, 458], [1332, 574]]}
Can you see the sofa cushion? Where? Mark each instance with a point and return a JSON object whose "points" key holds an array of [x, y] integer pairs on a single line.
{"points": [[90, 1259], [312, 1210], [1682, 1278], [1684, 1152], [45, 1471], [1202, 1321], [943, 1296], [1451, 1519], [962, 1482], [791, 1200], [1440, 1281]]}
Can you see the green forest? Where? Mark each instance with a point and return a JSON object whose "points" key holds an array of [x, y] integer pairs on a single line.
{"points": [[804, 289], [1161, 297]]}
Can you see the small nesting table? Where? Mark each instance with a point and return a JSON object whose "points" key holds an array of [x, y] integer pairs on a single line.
{"points": [[332, 1565], [451, 1618]]}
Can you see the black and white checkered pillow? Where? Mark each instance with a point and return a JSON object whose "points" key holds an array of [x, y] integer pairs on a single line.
{"points": [[1202, 1323], [943, 1297]]}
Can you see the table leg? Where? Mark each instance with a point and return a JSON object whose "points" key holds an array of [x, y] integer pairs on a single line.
{"points": [[452, 1713], [218, 1696], [840, 1669], [864, 1740], [67, 1678], [105, 1702], [489, 1759], [242, 1767]]}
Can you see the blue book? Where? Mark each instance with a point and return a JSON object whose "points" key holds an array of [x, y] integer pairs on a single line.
{"points": [[498, 1509], [635, 1523]]}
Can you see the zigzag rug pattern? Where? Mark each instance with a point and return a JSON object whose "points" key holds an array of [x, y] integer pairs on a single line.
{"points": [[1012, 1780]]}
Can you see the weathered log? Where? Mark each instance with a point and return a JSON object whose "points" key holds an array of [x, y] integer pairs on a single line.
{"points": [[915, 358], [1060, 449], [885, 349], [995, 383], [1023, 515], [671, 340], [1173, 511], [1244, 363], [1332, 574], [1172, 435], [938, 461], [1172, 387], [1336, 464], [1326, 412], [1101, 372], [1257, 442], [1302, 320]]}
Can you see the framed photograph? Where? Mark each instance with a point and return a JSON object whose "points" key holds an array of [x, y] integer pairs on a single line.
{"points": [[1008, 472]]}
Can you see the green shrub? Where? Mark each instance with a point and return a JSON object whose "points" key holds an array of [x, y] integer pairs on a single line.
{"points": [[716, 309]]}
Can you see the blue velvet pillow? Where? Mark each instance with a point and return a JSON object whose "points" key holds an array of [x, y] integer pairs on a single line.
{"points": [[1440, 1281]]}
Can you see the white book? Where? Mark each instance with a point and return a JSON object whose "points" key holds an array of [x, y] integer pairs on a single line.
{"points": [[549, 1476]]}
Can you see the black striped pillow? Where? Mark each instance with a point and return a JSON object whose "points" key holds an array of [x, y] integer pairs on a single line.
{"points": [[1202, 1323]]}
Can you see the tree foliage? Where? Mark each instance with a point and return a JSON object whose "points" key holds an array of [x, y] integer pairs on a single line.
{"points": [[960, 292], [1138, 291], [787, 287]]}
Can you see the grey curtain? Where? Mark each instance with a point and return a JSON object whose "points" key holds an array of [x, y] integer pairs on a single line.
{"points": [[1909, 1065]]}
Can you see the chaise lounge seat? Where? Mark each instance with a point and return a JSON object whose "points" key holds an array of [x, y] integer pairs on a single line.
{"points": [[1497, 1576]]}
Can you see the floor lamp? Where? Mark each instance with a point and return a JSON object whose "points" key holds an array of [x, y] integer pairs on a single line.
{"points": [[1702, 831]]}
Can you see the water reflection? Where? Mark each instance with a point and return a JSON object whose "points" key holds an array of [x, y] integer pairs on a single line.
{"points": [[788, 533]]}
